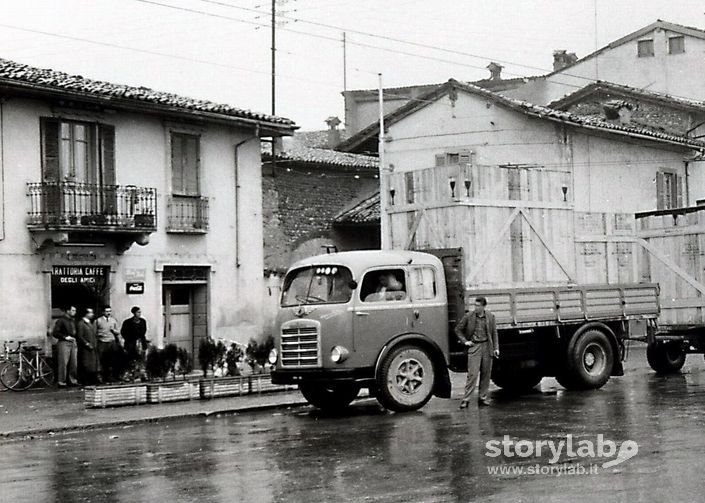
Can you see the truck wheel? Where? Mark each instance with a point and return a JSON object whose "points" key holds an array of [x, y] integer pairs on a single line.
{"points": [[405, 380], [329, 397], [520, 381], [589, 361], [666, 358]]}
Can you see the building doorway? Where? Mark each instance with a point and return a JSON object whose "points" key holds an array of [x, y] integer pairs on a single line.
{"points": [[185, 307], [80, 286]]}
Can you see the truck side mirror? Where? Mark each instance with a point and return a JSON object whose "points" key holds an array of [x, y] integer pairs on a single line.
{"points": [[352, 284]]}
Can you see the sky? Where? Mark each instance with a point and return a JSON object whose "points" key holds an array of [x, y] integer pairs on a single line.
{"points": [[221, 49]]}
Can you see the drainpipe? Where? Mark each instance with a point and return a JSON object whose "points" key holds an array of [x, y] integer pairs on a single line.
{"points": [[237, 195], [2, 168]]}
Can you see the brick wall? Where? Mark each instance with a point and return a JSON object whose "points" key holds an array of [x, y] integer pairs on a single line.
{"points": [[299, 206]]}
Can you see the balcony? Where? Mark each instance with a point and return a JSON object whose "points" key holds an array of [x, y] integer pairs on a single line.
{"points": [[60, 208], [187, 215]]}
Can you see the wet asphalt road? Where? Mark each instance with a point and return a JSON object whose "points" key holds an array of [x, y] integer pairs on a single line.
{"points": [[366, 454]]}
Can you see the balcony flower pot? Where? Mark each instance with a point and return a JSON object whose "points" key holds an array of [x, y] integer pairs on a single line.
{"points": [[214, 387], [171, 391], [114, 395], [144, 220]]}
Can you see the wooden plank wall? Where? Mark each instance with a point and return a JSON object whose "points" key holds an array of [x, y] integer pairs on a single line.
{"points": [[681, 239]]}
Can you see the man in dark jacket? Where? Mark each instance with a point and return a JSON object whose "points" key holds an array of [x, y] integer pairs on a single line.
{"points": [[478, 331], [134, 332], [65, 333], [88, 366]]}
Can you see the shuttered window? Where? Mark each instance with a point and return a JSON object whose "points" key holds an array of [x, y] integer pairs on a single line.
{"points": [[645, 48], [676, 45], [74, 151], [669, 193], [185, 164]]}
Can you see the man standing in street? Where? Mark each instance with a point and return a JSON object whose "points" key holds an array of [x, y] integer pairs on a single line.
{"points": [[134, 332], [107, 334], [87, 353], [66, 358], [478, 331]]}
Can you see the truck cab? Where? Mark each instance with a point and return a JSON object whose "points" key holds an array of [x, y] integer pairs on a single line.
{"points": [[364, 319]]}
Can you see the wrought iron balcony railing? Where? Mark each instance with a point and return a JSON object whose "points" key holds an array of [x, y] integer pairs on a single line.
{"points": [[187, 214], [81, 206]]}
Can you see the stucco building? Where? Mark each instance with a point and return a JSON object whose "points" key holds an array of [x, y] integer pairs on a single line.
{"points": [[129, 196]]}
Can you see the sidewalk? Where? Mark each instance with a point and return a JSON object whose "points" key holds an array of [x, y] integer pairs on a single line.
{"points": [[43, 412]]}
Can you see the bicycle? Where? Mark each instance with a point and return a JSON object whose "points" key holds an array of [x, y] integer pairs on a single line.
{"points": [[9, 354], [21, 374]]}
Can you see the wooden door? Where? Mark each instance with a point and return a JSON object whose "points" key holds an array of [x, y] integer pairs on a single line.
{"points": [[178, 316]]}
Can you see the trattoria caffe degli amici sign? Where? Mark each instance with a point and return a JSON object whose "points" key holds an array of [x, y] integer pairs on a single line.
{"points": [[88, 275]]}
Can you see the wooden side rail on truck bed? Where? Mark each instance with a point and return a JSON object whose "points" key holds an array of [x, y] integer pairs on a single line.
{"points": [[544, 306]]}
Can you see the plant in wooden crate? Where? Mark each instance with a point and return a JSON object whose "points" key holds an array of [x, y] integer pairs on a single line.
{"points": [[257, 353], [184, 363], [232, 359], [216, 358], [160, 363]]}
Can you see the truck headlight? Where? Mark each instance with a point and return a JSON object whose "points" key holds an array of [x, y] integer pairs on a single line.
{"points": [[273, 356], [339, 354]]}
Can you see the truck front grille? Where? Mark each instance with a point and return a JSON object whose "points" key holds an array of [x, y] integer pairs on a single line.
{"points": [[300, 344]]}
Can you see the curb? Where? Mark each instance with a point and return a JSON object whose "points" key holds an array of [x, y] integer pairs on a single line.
{"points": [[47, 432]]}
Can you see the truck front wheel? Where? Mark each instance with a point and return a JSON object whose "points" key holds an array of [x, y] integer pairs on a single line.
{"points": [[589, 361], [331, 396], [405, 379], [666, 358]]}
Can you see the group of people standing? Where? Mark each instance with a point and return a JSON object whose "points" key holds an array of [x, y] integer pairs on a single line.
{"points": [[90, 351]]}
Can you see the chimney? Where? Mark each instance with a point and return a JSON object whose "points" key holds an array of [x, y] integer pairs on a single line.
{"points": [[495, 71], [333, 132], [563, 59]]}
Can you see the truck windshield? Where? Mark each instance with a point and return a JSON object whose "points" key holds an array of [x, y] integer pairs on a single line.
{"points": [[317, 285]]}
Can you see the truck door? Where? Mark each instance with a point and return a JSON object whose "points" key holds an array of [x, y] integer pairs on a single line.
{"points": [[382, 309], [429, 309]]}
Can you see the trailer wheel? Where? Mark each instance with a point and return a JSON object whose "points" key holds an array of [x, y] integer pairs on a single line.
{"points": [[589, 362], [331, 396], [666, 358], [520, 381], [405, 380]]}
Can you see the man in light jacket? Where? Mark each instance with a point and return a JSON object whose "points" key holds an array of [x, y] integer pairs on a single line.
{"points": [[478, 331]]}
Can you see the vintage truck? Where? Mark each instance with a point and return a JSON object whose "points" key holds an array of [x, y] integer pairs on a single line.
{"points": [[383, 320]]}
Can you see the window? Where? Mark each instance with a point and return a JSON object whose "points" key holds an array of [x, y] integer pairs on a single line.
{"points": [[410, 189], [185, 164], [645, 48], [317, 285], [423, 283], [383, 286], [668, 191], [75, 149], [676, 45]]}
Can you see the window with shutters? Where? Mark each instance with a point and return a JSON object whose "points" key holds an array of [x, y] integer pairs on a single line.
{"points": [[676, 45], [185, 164], [645, 48], [669, 194]]}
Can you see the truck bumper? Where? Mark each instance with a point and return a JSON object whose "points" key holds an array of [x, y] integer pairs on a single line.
{"points": [[297, 376]]}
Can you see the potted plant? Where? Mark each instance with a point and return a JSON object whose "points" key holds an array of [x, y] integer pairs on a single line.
{"points": [[160, 363], [132, 391], [226, 379]]}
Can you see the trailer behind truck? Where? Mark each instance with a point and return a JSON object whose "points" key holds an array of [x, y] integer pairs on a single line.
{"points": [[383, 320]]}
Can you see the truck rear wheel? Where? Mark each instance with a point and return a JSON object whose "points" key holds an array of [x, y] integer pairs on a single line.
{"points": [[405, 380], [589, 363], [666, 358], [331, 396], [520, 381]]}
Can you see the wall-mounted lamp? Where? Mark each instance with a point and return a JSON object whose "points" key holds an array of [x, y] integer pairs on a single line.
{"points": [[391, 195], [468, 184], [565, 193], [452, 187]]}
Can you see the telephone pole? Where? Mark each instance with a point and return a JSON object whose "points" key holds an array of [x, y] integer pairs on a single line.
{"points": [[274, 57]]}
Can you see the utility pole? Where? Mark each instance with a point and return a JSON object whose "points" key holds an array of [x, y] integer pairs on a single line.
{"points": [[345, 82], [383, 188], [274, 57]]}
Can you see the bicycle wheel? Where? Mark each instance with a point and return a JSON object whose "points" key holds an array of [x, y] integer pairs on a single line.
{"points": [[15, 378], [46, 373]]}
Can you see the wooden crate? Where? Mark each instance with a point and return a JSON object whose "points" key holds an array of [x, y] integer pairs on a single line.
{"points": [[214, 387], [113, 395], [171, 391]]}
